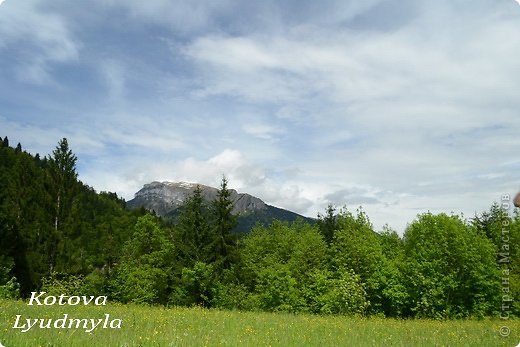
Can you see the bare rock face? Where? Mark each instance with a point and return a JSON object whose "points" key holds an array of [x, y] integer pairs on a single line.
{"points": [[516, 200], [164, 197]]}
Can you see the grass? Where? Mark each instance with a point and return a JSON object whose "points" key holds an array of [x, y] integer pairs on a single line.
{"points": [[158, 326]]}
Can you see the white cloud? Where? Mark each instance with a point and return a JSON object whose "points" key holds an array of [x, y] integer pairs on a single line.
{"points": [[147, 137], [43, 38], [299, 104], [114, 75], [42, 140], [262, 131], [127, 177], [433, 101]]}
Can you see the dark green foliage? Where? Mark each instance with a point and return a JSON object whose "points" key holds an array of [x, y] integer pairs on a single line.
{"points": [[450, 269], [340, 292], [196, 286], [206, 247], [57, 284], [143, 275], [223, 243], [247, 221], [286, 268], [503, 231], [391, 295], [328, 224], [347, 294], [84, 233], [62, 181], [10, 290], [490, 223], [193, 231], [356, 246], [392, 245], [58, 235], [24, 222], [231, 293], [277, 263], [6, 265], [511, 270], [9, 286]]}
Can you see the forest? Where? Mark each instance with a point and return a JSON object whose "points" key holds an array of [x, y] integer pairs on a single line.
{"points": [[60, 236]]}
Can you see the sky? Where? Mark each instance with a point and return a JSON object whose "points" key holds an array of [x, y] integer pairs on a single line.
{"points": [[401, 107]]}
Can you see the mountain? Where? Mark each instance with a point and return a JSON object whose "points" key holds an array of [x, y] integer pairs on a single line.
{"points": [[165, 198]]}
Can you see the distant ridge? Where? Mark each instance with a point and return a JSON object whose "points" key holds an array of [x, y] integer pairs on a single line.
{"points": [[165, 198]]}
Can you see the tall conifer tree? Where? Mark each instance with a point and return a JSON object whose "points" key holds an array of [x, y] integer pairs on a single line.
{"points": [[194, 230], [63, 179], [224, 241], [328, 223]]}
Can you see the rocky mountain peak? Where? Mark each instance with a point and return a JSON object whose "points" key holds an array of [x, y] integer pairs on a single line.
{"points": [[164, 197]]}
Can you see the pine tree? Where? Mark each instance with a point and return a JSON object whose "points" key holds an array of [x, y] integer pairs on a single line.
{"points": [[224, 242], [328, 223], [63, 179], [23, 216], [193, 230]]}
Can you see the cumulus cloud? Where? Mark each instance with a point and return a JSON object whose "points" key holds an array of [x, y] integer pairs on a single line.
{"points": [[127, 177]]}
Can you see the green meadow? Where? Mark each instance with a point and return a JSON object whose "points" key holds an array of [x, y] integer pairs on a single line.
{"points": [[179, 326]]}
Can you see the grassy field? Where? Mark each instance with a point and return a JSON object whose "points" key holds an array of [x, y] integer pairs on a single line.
{"points": [[156, 326]]}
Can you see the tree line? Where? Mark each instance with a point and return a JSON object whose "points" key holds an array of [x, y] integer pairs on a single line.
{"points": [[58, 235]]}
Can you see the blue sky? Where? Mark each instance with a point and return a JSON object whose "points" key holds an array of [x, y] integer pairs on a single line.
{"points": [[401, 106]]}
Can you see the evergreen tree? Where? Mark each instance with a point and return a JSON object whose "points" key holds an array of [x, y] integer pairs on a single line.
{"points": [[224, 242], [63, 179], [328, 224], [193, 230], [81, 237], [23, 215], [489, 223], [5, 142]]}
